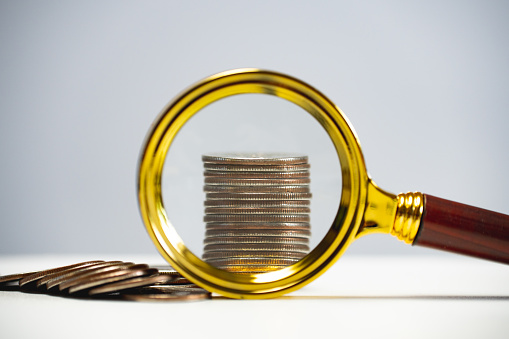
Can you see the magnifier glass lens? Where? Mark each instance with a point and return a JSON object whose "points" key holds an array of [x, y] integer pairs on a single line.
{"points": [[340, 144], [252, 212]]}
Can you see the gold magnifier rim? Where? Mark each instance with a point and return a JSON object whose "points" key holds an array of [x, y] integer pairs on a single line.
{"points": [[164, 130]]}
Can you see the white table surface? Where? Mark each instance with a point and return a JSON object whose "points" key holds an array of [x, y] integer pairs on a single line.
{"points": [[360, 296]]}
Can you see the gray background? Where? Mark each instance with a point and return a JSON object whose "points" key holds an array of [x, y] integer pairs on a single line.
{"points": [[424, 84]]}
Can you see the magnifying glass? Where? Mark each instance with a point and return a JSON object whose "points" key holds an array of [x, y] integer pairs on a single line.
{"points": [[364, 208]]}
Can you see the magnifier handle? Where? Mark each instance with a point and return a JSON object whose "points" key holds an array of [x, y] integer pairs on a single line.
{"points": [[459, 228]]}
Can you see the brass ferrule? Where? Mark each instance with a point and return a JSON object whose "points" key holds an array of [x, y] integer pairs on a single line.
{"points": [[408, 216]]}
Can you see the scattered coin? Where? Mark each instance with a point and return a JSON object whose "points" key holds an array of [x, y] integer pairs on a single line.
{"points": [[57, 278], [13, 278], [131, 283], [167, 293], [38, 275], [110, 280]]}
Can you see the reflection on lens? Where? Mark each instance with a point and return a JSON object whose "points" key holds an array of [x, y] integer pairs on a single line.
{"points": [[256, 211]]}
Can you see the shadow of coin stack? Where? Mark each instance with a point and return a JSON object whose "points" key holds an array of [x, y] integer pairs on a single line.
{"points": [[256, 211]]}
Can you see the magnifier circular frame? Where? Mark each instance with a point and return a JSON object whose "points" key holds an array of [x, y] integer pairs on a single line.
{"points": [[165, 237]]}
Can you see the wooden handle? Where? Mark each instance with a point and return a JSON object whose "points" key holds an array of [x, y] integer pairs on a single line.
{"points": [[459, 228]]}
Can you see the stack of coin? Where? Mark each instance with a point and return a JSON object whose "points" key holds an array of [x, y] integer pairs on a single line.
{"points": [[256, 211]]}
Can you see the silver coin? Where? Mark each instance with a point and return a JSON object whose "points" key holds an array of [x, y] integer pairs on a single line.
{"points": [[256, 203], [258, 218], [256, 175], [256, 158], [252, 262], [257, 182], [258, 233], [253, 254], [258, 226], [257, 168], [257, 196], [257, 247], [255, 240], [285, 189], [257, 210]]}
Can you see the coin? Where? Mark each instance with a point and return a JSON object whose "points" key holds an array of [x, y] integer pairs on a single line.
{"points": [[258, 233], [258, 225], [38, 275], [257, 182], [252, 261], [61, 275], [250, 269], [133, 271], [255, 174], [253, 254], [257, 196], [259, 218], [13, 278], [257, 247], [131, 283], [257, 210], [255, 240], [168, 293], [68, 280], [281, 189], [256, 203], [256, 168], [254, 159]]}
